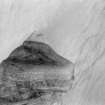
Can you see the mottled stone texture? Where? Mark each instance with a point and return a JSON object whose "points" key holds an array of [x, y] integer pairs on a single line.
{"points": [[20, 71]]}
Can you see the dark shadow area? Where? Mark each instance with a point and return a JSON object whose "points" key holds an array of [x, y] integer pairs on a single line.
{"points": [[30, 54]]}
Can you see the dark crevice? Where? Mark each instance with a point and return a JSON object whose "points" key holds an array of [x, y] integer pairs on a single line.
{"points": [[35, 59], [37, 54]]}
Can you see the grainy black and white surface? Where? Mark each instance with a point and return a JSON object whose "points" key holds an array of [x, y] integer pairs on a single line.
{"points": [[34, 75], [37, 71]]}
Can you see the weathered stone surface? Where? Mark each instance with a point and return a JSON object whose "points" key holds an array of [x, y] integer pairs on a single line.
{"points": [[32, 71]]}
